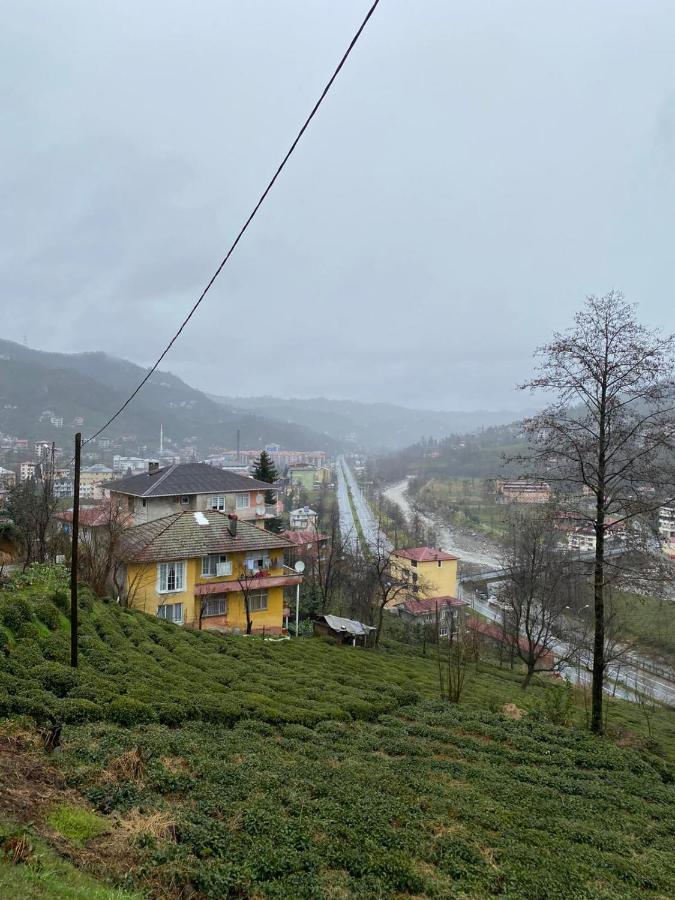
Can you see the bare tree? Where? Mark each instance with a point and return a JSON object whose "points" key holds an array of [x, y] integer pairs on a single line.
{"points": [[455, 650], [31, 506], [99, 551], [609, 432], [537, 594], [325, 569], [390, 586]]}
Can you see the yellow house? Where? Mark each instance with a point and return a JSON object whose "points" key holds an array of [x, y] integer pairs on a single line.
{"points": [[203, 569], [430, 572]]}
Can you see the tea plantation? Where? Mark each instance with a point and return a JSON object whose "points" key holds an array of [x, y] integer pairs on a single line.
{"points": [[194, 765]]}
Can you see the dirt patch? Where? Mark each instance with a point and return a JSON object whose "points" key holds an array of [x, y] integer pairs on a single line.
{"points": [[32, 787], [511, 711], [176, 765]]}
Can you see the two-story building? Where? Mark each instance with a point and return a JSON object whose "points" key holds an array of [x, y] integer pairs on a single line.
{"points": [[190, 487], [203, 569], [667, 529]]}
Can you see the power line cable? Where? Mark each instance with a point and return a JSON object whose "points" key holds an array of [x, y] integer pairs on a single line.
{"points": [[244, 227]]}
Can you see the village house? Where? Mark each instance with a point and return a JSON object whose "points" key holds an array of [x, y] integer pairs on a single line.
{"points": [[303, 518], [307, 545], [159, 492], [446, 611], [202, 568], [431, 572], [667, 529], [523, 491]]}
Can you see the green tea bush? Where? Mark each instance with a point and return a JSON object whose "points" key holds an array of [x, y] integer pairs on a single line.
{"points": [[55, 677], [15, 610], [74, 711], [126, 711], [61, 600], [48, 614]]}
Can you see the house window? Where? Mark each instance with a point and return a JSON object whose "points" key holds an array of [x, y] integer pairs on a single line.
{"points": [[257, 601], [170, 577], [253, 563], [243, 501], [443, 632], [211, 563], [214, 606], [184, 501], [440, 563], [413, 563], [172, 612], [218, 503], [144, 501]]}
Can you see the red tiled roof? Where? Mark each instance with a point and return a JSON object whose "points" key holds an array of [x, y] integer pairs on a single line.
{"points": [[308, 536], [497, 634], [424, 554], [93, 516], [421, 607]]}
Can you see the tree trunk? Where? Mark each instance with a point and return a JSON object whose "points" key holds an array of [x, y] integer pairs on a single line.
{"points": [[599, 636], [528, 678]]}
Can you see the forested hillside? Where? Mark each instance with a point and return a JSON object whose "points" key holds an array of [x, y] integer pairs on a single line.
{"points": [[93, 385]]}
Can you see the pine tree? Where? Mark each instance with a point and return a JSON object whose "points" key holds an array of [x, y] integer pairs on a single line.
{"points": [[265, 470]]}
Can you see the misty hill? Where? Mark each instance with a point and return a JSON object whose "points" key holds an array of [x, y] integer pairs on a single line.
{"points": [[371, 426], [93, 386]]}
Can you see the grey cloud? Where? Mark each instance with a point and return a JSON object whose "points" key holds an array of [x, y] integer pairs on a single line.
{"points": [[477, 170]]}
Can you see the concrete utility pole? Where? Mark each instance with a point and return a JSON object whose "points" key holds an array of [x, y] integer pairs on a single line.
{"points": [[73, 553]]}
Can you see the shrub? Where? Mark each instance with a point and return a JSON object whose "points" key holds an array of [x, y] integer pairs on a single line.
{"points": [[48, 614], [129, 712], [55, 677], [4, 640], [14, 611], [74, 711], [61, 600], [55, 646], [29, 631]]}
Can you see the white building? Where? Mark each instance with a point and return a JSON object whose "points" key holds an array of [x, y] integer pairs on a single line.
{"points": [[303, 518]]}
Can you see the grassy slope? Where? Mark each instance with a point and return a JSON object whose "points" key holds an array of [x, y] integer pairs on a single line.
{"points": [[301, 769]]}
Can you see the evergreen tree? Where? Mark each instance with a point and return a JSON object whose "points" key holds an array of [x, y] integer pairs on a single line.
{"points": [[265, 470]]}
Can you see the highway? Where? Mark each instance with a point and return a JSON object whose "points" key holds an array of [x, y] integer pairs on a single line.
{"points": [[622, 679], [367, 520]]}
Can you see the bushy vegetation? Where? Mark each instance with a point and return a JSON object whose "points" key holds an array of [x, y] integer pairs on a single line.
{"points": [[302, 769]]}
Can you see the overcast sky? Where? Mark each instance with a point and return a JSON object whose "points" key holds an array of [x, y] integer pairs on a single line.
{"points": [[477, 170]]}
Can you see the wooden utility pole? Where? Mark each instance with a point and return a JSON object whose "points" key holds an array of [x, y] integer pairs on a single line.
{"points": [[73, 553]]}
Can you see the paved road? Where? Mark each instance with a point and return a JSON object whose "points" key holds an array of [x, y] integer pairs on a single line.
{"points": [[627, 676], [367, 520]]}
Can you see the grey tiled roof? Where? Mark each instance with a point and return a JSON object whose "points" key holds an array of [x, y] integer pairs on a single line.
{"points": [[184, 479], [181, 536]]}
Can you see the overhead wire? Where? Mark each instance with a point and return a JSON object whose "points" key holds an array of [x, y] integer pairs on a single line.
{"points": [[242, 230]]}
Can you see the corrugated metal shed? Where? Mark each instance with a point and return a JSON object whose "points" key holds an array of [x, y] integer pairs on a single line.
{"points": [[347, 626]]}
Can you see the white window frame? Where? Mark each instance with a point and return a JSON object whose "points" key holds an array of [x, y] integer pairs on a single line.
{"points": [[211, 562], [185, 500], [258, 601], [221, 601], [240, 504], [171, 612], [252, 560], [163, 577], [217, 502]]}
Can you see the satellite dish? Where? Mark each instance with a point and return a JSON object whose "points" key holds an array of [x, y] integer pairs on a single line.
{"points": [[299, 567]]}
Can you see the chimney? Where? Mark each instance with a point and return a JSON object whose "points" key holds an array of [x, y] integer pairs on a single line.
{"points": [[153, 467], [232, 524]]}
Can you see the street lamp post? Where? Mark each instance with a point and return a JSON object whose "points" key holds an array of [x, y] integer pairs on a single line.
{"points": [[298, 568]]}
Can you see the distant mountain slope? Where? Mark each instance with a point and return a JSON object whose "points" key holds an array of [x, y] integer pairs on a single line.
{"points": [[372, 426], [93, 385]]}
